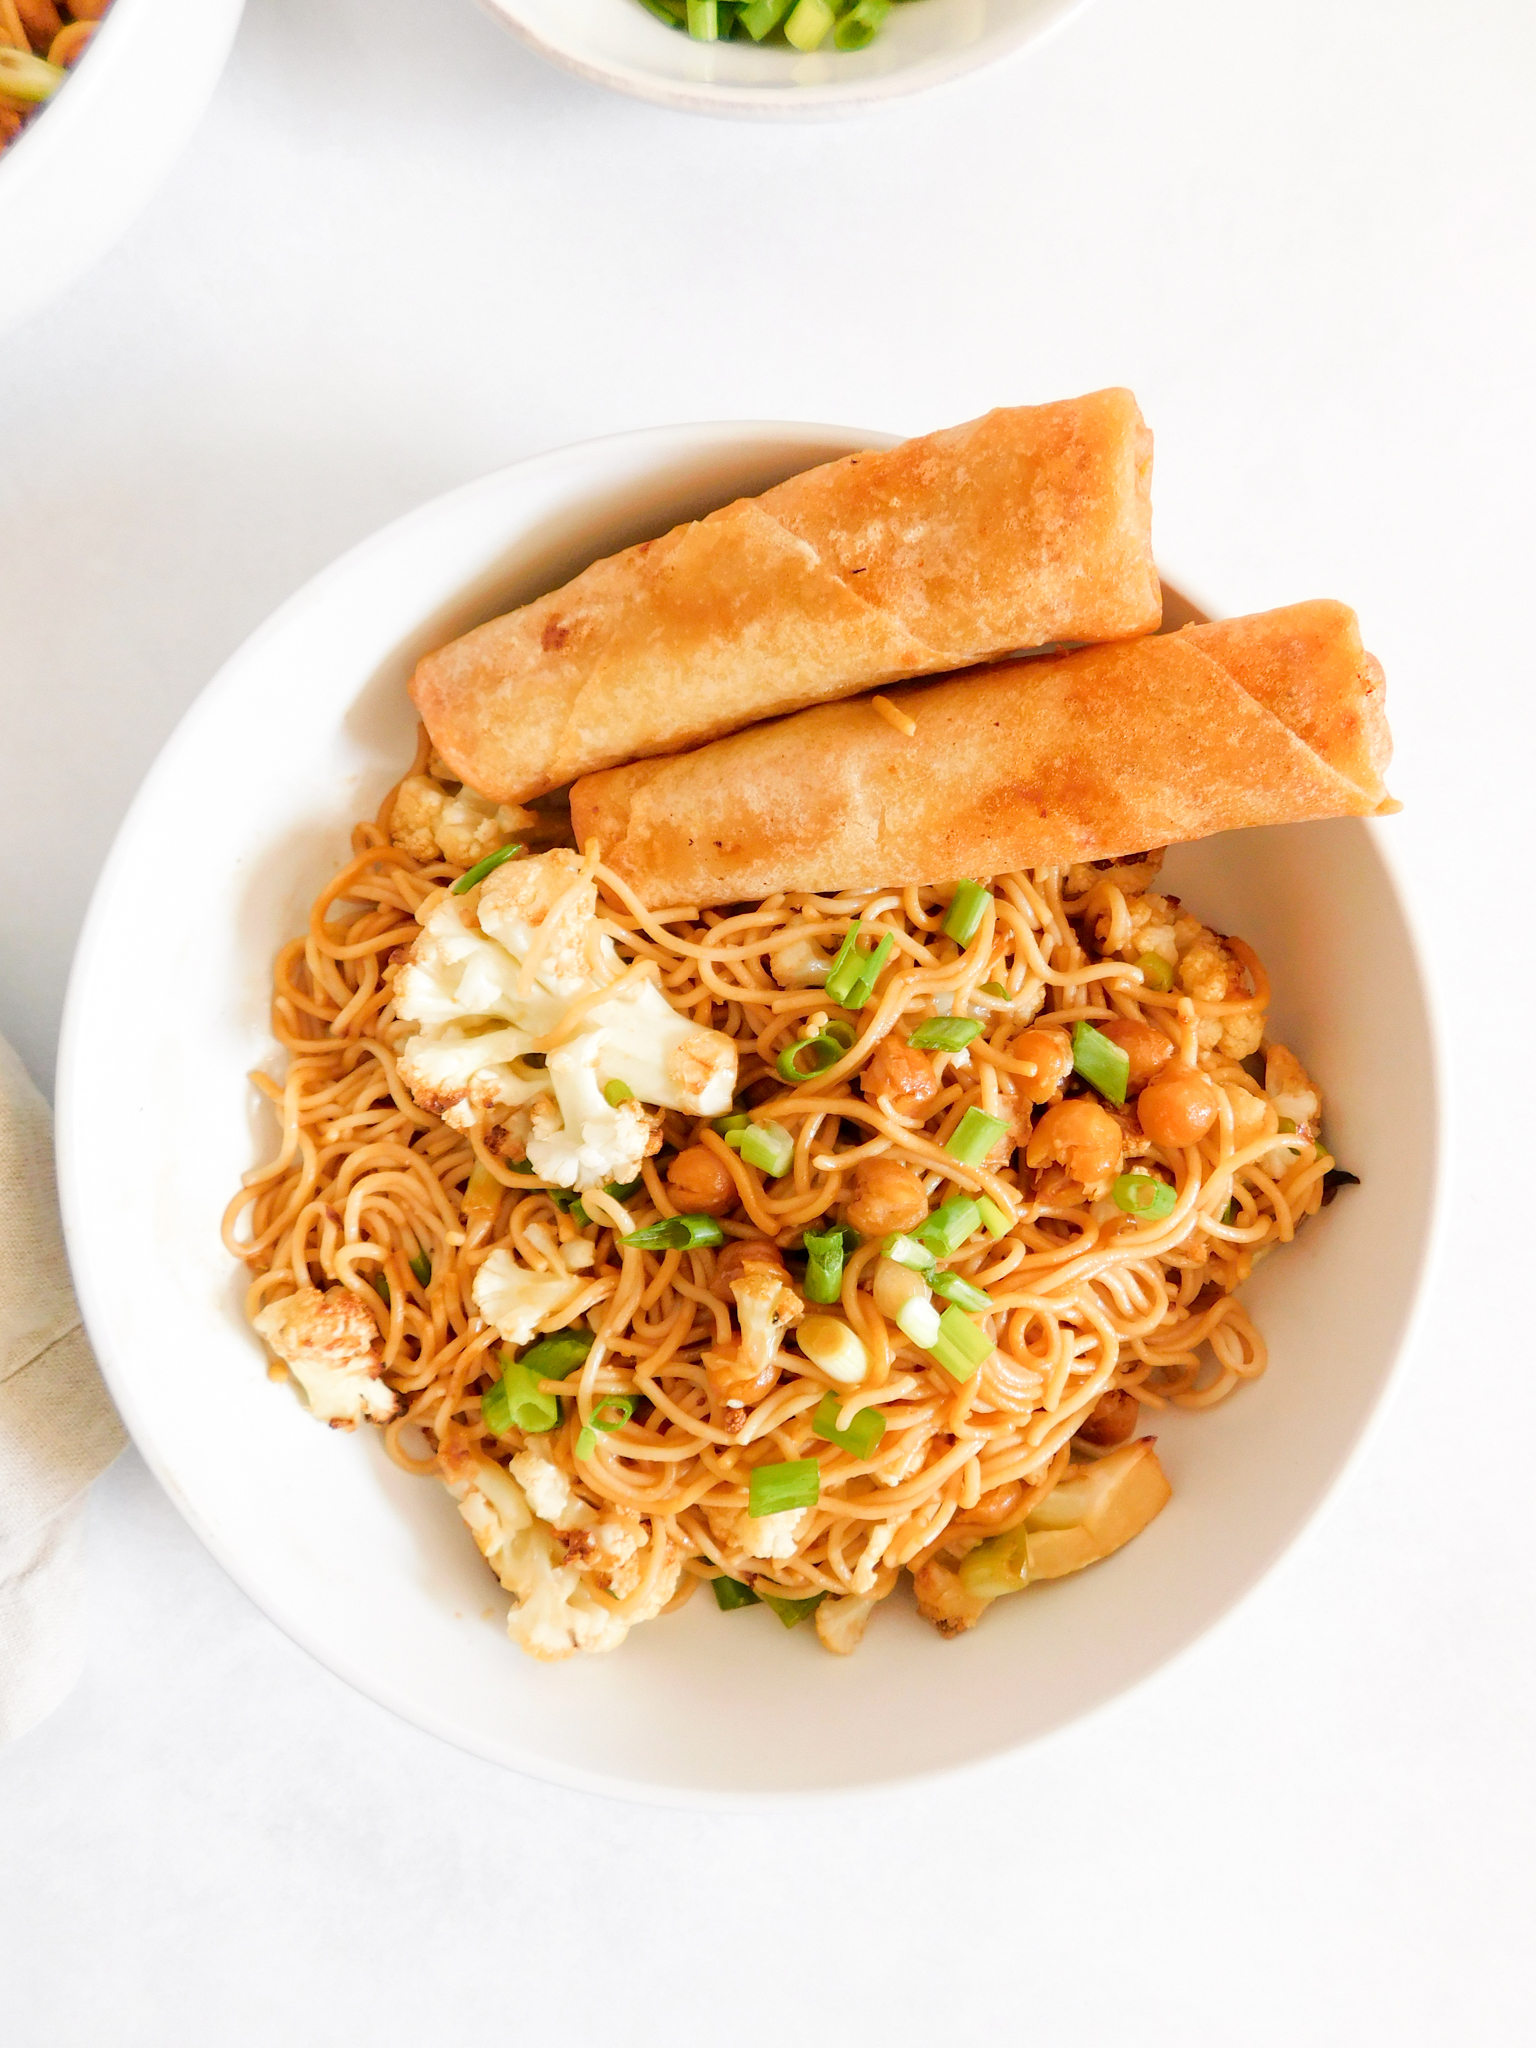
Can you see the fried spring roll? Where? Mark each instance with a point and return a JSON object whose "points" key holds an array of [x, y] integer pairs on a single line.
{"points": [[1258, 721], [1030, 526]]}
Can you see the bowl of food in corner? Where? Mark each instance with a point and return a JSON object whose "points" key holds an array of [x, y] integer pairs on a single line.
{"points": [[778, 59], [1179, 1379]]}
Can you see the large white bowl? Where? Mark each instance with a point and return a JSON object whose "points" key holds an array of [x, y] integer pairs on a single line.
{"points": [[924, 43], [78, 174], [246, 811]]}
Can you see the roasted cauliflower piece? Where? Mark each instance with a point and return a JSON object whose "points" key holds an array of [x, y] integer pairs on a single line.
{"points": [[331, 1345]]}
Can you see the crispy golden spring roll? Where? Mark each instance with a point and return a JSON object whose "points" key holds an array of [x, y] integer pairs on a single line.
{"points": [[1259, 721], [1029, 526]]}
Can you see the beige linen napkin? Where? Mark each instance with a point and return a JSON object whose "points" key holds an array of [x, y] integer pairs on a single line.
{"points": [[58, 1429]]}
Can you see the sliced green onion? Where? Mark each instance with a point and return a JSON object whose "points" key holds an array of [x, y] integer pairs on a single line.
{"points": [[616, 1093], [381, 1288], [994, 1221], [961, 1346], [974, 1136], [823, 1050], [1102, 1064], [1144, 1196], [962, 920], [767, 1146], [946, 1228], [557, 1357], [945, 1034], [761, 17], [1287, 1126], [862, 1434], [704, 21], [619, 1406], [996, 990], [918, 1320], [853, 974], [1155, 972], [794, 1484], [964, 1293], [675, 1233], [907, 1251], [1229, 1214], [482, 868], [421, 1266], [29, 78], [731, 1593], [723, 1126], [841, 1030], [672, 12], [515, 1401], [792, 1612], [520, 1166], [826, 1253], [807, 26], [861, 24]]}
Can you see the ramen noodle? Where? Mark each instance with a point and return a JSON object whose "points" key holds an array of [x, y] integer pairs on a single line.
{"points": [[798, 1244]]}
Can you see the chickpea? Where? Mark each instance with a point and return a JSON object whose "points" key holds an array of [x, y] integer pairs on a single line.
{"points": [[1083, 1138], [902, 1075], [887, 1196], [994, 1508], [1143, 1045], [1111, 1420], [736, 1257], [701, 1184], [1050, 1055], [1180, 1110]]}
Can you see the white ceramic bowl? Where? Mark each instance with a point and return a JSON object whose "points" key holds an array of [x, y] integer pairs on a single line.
{"points": [[924, 43], [246, 811], [78, 174]]}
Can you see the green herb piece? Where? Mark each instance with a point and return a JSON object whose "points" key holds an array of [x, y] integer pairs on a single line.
{"points": [[842, 1031], [993, 1220], [731, 1593], [1155, 972], [918, 1320], [823, 1052], [515, 1401], [962, 1292], [1102, 1064], [907, 1251], [861, 24], [946, 1228], [381, 1288], [974, 1136], [761, 17], [963, 918], [1143, 1196], [1287, 1126], [616, 1093], [996, 990], [860, 1437], [421, 1266], [704, 21], [853, 973], [675, 1233], [482, 868], [1229, 1214], [807, 26], [945, 1034], [767, 1146], [824, 1273], [611, 1413], [961, 1346], [792, 1612], [794, 1484], [723, 1126], [557, 1357]]}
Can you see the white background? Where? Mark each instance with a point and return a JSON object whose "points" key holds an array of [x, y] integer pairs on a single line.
{"points": [[400, 253]]}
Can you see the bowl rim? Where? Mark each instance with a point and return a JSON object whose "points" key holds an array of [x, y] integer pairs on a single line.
{"points": [[807, 103], [72, 1155]]}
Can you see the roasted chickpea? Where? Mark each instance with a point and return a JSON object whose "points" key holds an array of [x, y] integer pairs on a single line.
{"points": [[1111, 1420], [994, 1508], [1144, 1046], [701, 1184], [1081, 1137], [734, 1259], [887, 1196], [1049, 1054], [1178, 1110], [903, 1076]]}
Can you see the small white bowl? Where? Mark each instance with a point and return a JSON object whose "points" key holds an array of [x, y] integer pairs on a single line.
{"points": [[246, 812], [76, 176], [923, 43]]}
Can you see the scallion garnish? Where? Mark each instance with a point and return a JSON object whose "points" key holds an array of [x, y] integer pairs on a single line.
{"points": [[823, 1051], [704, 21], [974, 1137], [723, 1126], [791, 1612], [945, 1034], [946, 1228], [381, 1288], [961, 1347], [908, 1251], [826, 1252], [860, 24], [794, 1484], [768, 1147], [918, 1320], [996, 990], [1155, 972], [557, 1357], [482, 868], [853, 974], [761, 17], [421, 1266], [515, 1401], [962, 1292], [808, 24], [731, 1593], [862, 1434], [962, 920], [675, 1233], [611, 1413], [1143, 1196], [993, 1220], [616, 1093], [1102, 1064]]}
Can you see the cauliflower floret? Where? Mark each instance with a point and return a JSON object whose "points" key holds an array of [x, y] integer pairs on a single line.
{"points": [[516, 1302], [427, 821], [1152, 921], [1292, 1090], [604, 1541], [1131, 873], [942, 1598], [1249, 1114], [461, 980], [877, 1544], [331, 1345], [802, 965], [840, 1623], [765, 1536], [766, 1306]]}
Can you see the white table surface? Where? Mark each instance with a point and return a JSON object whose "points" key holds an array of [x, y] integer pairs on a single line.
{"points": [[400, 253]]}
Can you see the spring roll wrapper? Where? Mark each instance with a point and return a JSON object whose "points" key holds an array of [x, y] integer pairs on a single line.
{"points": [[1030, 526], [1087, 756]]}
